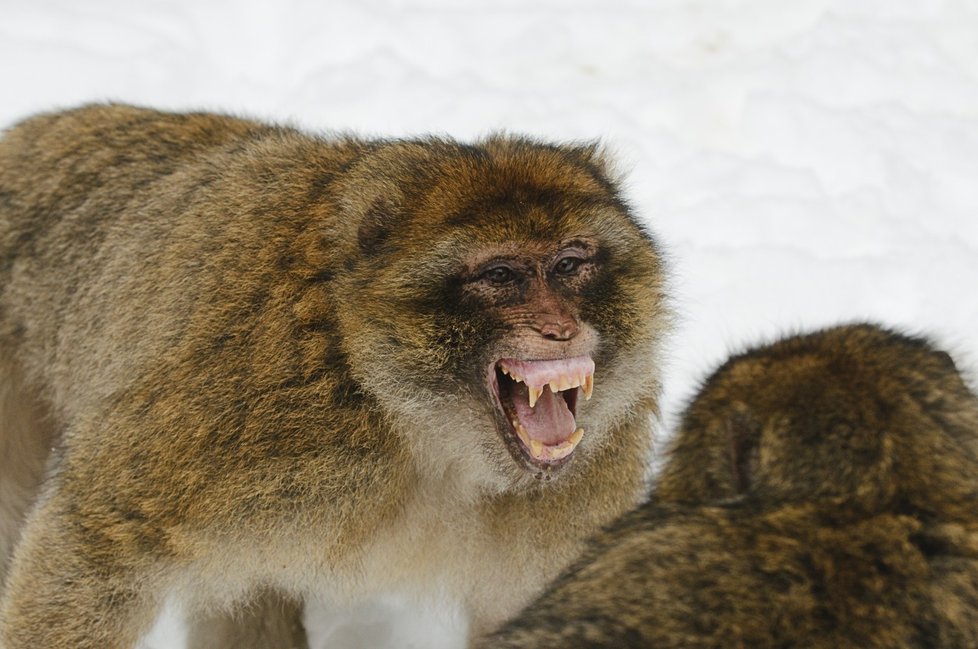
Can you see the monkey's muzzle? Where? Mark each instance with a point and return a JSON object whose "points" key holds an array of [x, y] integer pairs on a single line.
{"points": [[539, 400]]}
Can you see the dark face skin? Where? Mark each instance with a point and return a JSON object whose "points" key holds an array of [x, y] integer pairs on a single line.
{"points": [[534, 294], [533, 289]]}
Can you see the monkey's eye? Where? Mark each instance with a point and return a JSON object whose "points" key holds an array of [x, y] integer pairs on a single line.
{"points": [[568, 265], [499, 275]]}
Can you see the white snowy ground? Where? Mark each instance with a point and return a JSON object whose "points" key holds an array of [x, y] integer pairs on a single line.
{"points": [[804, 162]]}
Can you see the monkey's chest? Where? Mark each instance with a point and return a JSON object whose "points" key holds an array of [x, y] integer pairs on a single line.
{"points": [[435, 554]]}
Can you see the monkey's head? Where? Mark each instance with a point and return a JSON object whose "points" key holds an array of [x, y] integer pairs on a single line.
{"points": [[500, 303], [854, 412]]}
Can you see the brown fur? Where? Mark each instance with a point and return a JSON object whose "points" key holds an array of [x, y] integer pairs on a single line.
{"points": [[822, 493], [264, 356]]}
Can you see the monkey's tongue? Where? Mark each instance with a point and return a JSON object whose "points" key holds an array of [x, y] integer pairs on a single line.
{"points": [[542, 402], [549, 421]]}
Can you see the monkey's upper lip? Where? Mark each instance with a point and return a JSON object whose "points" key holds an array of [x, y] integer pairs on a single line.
{"points": [[539, 400]]}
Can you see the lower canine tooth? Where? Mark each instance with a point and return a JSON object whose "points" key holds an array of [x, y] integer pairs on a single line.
{"points": [[575, 439], [536, 448]]}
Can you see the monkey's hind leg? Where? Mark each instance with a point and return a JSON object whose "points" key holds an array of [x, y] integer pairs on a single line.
{"points": [[26, 436], [76, 582], [269, 621]]}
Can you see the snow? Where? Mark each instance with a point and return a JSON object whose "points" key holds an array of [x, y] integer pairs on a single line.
{"points": [[803, 163]]}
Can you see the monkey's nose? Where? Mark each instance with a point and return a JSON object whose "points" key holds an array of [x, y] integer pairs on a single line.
{"points": [[558, 329]]}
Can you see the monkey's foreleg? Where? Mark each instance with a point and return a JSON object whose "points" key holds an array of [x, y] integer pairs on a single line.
{"points": [[269, 621], [72, 586], [26, 438]]}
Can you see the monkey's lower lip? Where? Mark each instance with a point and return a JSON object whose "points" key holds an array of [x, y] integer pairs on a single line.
{"points": [[538, 399]]}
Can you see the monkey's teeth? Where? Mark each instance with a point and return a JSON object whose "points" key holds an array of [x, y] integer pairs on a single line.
{"points": [[576, 438], [541, 451], [508, 371], [566, 447], [561, 383], [523, 435], [557, 382], [536, 449], [585, 382]]}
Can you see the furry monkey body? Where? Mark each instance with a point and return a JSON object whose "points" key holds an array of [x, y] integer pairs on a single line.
{"points": [[273, 362], [822, 492]]}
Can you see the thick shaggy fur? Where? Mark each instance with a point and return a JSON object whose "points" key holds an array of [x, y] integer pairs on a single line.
{"points": [[262, 375], [822, 493]]}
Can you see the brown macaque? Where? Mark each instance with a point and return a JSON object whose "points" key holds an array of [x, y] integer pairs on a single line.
{"points": [[248, 365], [822, 492]]}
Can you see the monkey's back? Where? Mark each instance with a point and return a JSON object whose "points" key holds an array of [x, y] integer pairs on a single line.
{"points": [[127, 234], [173, 271], [743, 575], [821, 492]]}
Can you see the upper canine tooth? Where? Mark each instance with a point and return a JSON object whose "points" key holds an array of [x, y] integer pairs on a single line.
{"points": [[535, 394], [588, 386]]}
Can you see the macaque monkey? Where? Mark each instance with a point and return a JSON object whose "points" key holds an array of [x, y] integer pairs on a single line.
{"points": [[244, 365], [822, 492]]}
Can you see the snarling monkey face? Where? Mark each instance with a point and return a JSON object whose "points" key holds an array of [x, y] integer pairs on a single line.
{"points": [[543, 365], [513, 287]]}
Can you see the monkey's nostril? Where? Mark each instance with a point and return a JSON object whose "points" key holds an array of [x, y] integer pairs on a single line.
{"points": [[559, 330]]}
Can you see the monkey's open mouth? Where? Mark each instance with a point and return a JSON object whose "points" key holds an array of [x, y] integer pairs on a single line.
{"points": [[539, 400]]}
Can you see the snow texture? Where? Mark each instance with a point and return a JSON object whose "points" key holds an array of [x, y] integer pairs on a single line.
{"points": [[802, 163]]}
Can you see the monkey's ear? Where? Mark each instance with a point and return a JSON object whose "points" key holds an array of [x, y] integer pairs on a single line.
{"points": [[375, 226], [743, 439], [373, 191]]}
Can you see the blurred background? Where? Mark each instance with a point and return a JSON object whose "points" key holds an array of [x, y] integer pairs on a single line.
{"points": [[802, 163]]}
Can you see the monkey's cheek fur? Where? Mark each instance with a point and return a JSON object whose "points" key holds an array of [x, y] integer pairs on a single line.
{"points": [[536, 403]]}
